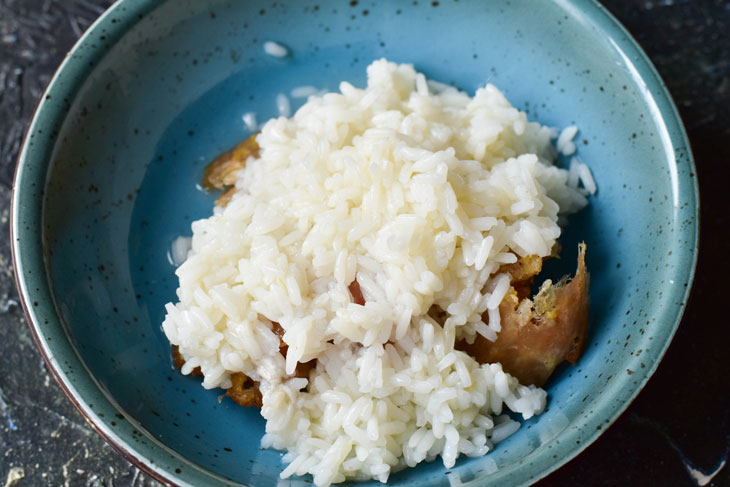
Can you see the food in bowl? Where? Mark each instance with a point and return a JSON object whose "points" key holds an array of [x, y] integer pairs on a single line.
{"points": [[365, 280]]}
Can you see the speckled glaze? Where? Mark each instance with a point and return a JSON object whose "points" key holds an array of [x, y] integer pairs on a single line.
{"points": [[108, 173]]}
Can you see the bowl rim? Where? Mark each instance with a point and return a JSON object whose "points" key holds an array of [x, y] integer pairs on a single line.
{"points": [[118, 19]]}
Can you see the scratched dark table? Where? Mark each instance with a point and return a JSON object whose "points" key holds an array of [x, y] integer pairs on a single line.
{"points": [[676, 433]]}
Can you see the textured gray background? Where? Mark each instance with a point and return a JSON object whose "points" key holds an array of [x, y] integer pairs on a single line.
{"points": [[677, 432]]}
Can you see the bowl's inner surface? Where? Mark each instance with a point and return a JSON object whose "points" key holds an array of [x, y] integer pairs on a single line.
{"points": [[170, 96]]}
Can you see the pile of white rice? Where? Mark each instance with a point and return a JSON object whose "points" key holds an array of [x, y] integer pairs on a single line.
{"points": [[421, 193]]}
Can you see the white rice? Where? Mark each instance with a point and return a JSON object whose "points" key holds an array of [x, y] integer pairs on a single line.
{"points": [[581, 173], [283, 105], [179, 250], [249, 120], [303, 91], [586, 178], [275, 49], [565, 143], [421, 197]]}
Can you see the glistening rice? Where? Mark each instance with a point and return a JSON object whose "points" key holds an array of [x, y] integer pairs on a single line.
{"points": [[420, 193]]}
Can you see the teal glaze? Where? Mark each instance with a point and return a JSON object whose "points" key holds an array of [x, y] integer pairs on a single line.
{"points": [[154, 90]]}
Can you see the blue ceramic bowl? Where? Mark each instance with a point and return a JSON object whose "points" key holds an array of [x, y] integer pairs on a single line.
{"points": [[155, 89]]}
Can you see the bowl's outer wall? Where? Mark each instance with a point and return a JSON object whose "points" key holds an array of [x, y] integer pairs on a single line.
{"points": [[128, 135]]}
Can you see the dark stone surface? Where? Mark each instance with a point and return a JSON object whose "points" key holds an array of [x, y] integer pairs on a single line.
{"points": [[676, 433]]}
